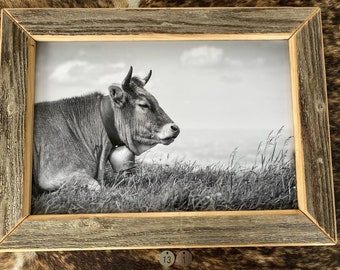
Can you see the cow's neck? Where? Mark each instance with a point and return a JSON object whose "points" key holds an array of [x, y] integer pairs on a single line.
{"points": [[107, 116]]}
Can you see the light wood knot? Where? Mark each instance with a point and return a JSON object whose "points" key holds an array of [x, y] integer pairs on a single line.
{"points": [[11, 108], [86, 224], [320, 160], [320, 107]]}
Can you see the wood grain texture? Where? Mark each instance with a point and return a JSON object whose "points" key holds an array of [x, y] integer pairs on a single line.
{"points": [[12, 124], [29, 123], [315, 126], [97, 22], [289, 227], [213, 258]]}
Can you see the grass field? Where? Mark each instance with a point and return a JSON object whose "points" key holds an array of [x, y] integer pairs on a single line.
{"points": [[185, 186]]}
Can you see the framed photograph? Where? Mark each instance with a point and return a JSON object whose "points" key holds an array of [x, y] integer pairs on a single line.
{"points": [[164, 128]]}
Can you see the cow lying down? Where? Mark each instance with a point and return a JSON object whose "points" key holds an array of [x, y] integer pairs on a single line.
{"points": [[75, 138]]}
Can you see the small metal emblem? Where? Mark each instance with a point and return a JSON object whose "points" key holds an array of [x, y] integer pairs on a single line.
{"points": [[184, 258], [167, 258]]}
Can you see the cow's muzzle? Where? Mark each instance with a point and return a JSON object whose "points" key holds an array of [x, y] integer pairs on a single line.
{"points": [[168, 133]]}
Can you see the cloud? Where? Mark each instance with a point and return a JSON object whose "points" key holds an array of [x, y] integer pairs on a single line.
{"points": [[232, 62], [210, 56], [88, 73], [237, 63], [258, 61], [118, 66], [66, 70], [203, 56], [111, 73], [231, 77]]}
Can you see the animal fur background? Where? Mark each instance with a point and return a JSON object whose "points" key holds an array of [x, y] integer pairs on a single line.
{"points": [[220, 258]]}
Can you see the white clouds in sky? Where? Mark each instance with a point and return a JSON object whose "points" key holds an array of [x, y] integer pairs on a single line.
{"points": [[64, 71], [81, 75], [216, 57], [230, 62], [202, 56], [111, 73], [75, 70]]}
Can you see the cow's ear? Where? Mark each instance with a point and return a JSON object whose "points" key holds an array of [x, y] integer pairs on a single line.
{"points": [[117, 95]]}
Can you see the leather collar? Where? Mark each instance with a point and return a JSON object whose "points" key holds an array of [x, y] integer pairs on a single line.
{"points": [[107, 116]]}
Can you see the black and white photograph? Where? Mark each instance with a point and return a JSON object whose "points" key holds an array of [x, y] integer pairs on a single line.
{"points": [[163, 126]]}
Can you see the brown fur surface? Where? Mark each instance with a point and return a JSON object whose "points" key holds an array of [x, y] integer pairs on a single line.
{"points": [[220, 258]]}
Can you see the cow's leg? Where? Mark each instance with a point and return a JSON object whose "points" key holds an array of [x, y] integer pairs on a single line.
{"points": [[104, 156], [53, 181], [84, 180]]}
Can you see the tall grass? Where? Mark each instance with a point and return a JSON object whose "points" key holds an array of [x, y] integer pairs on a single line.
{"points": [[186, 186]]}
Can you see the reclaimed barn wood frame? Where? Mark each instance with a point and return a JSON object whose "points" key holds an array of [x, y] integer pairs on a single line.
{"points": [[313, 223]]}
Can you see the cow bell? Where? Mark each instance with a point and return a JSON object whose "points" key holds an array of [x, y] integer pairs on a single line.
{"points": [[122, 159]]}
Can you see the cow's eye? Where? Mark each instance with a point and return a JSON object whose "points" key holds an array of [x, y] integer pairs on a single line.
{"points": [[143, 105]]}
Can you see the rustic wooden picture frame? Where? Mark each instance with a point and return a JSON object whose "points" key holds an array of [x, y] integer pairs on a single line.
{"points": [[313, 223]]}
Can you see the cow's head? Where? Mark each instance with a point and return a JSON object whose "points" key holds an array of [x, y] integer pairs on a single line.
{"points": [[140, 121]]}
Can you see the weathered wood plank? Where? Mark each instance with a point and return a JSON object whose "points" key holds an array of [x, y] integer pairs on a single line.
{"points": [[84, 22], [315, 126], [12, 123], [29, 122], [289, 227]]}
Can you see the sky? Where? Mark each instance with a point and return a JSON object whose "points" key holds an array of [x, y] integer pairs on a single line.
{"points": [[202, 85]]}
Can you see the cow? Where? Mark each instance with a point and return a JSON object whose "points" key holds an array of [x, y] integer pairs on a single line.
{"points": [[75, 138]]}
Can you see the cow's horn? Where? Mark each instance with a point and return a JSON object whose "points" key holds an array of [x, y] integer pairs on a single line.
{"points": [[127, 80], [147, 78]]}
